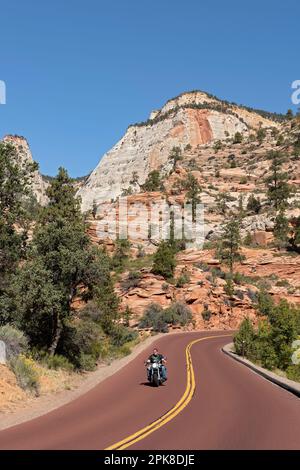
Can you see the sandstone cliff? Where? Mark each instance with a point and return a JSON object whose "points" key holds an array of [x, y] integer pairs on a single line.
{"points": [[192, 119], [38, 184]]}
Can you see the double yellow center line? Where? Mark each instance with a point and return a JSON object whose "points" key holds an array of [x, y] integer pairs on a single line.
{"points": [[175, 410]]}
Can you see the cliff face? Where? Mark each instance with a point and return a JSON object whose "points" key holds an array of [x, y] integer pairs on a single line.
{"points": [[192, 119], [39, 186]]}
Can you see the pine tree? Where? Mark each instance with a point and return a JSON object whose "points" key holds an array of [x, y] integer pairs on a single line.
{"points": [[193, 193], [175, 156], [229, 248], [281, 229], [278, 189]]}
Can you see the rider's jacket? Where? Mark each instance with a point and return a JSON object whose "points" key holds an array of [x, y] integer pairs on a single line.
{"points": [[156, 358]]}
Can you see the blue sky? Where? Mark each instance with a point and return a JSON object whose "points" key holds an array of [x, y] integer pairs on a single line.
{"points": [[78, 72]]}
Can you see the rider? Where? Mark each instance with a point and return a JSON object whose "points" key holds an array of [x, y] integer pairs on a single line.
{"points": [[157, 357]]}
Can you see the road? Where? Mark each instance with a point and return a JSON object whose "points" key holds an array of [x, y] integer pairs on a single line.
{"points": [[219, 404]]}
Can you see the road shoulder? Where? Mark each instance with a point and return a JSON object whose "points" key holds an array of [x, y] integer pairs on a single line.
{"points": [[283, 382], [45, 404]]}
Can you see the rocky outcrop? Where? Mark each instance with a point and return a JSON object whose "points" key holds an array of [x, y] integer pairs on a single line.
{"points": [[193, 120], [39, 186]]}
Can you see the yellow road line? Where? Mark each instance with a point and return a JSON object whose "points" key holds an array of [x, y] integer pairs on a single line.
{"points": [[175, 410]]}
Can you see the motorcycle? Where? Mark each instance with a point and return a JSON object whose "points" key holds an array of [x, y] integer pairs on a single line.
{"points": [[154, 373]]}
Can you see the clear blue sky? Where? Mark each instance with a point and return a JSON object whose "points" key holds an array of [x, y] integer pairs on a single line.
{"points": [[78, 72]]}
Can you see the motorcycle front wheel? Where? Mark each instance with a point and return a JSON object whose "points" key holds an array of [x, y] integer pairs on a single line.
{"points": [[155, 379]]}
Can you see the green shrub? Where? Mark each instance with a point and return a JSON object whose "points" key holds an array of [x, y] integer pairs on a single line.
{"points": [[58, 362], [132, 280], [120, 335], [15, 341], [88, 338], [182, 280], [164, 262], [206, 314], [243, 340], [178, 313], [153, 182], [254, 204], [87, 362], [248, 240], [238, 138], [83, 337], [154, 318], [264, 302], [263, 350], [26, 374], [293, 372]]}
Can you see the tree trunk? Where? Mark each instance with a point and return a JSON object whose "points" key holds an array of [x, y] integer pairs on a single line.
{"points": [[56, 335]]}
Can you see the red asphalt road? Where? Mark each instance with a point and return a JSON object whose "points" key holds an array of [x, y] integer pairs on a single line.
{"points": [[232, 408]]}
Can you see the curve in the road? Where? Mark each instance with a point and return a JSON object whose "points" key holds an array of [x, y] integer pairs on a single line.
{"points": [[175, 410]]}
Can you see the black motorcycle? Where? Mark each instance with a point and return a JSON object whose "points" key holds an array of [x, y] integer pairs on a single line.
{"points": [[154, 373]]}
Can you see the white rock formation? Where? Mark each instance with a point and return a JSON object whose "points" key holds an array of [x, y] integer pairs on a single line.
{"points": [[147, 146], [39, 186]]}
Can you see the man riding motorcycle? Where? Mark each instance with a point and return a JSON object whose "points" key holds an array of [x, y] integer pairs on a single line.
{"points": [[159, 358]]}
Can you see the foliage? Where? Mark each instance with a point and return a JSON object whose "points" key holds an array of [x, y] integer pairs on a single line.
{"points": [[26, 373], [14, 339], [175, 156], [229, 288], [15, 191], [153, 318], [254, 204], [178, 313], [183, 279], [164, 262], [60, 263], [222, 200], [261, 135], [120, 335], [265, 302], [206, 314], [271, 344], [281, 229], [229, 248], [238, 138], [293, 372], [153, 182], [193, 190], [278, 189], [120, 255], [57, 362], [243, 340], [295, 236], [132, 280]]}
